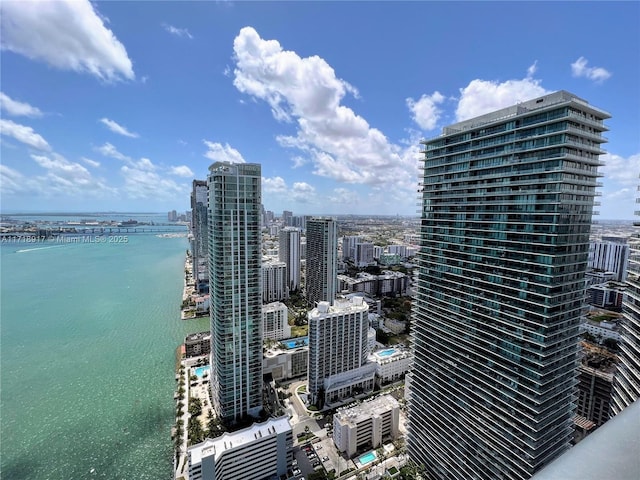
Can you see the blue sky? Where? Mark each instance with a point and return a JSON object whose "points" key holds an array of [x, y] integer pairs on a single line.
{"points": [[117, 106]]}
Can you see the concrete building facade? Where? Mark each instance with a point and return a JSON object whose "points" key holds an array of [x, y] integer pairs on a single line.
{"points": [[274, 281], [260, 452], [275, 321], [367, 425], [289, 253], [338, 350]]}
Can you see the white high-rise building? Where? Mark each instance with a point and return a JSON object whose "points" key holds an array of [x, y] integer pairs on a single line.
{"points": [[275, 321], [506, 205], [236, 304], [289, 253], [609, 257], [274, 281], [322, 262], [367, 425], [339, 350], [259, 452]]}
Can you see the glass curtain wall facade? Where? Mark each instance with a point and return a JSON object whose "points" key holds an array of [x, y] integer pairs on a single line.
{"points": [[235, 281], [506, 207], [626, 384], [321, 279]]}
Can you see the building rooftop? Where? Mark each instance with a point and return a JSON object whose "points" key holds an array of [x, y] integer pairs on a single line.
{"points": [[197, 336], [227, 441], [539, 103], [367, 410]]}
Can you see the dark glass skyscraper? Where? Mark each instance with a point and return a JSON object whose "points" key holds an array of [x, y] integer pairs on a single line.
{"points": [[506, 210], [235, 255]]}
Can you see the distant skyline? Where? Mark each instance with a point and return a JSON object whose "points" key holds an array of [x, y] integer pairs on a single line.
{"points": [[120, 109]]}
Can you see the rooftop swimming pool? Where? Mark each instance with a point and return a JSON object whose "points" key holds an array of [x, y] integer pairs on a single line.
{"points": [[201, 370], [295, 342], [386, 353], [367, 458]]}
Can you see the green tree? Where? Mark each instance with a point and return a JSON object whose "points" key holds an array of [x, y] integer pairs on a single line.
{"points": [[195, 406]]}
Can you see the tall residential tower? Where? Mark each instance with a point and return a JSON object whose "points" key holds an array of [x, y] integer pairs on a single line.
{"points": [[289, 252], [626, 385], [506, 210], [321, 280], [236, 305]]}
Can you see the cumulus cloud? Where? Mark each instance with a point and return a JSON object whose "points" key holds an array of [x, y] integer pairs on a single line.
{"points": [[119, 129], [343, 196], [108, 150], [66, 34], [90, 162], [484, 96], [178, 32], [142, 183], [340, 143], [533, 68], [597, 74], [12, 181], [222, 153], [620, 169], [274, 185], [302, 192], [23, 134], [16, 108], [69, 178], [182, 171], [425, 111]]}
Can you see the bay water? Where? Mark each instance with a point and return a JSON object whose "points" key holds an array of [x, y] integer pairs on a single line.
{"points": [[88, 333]]}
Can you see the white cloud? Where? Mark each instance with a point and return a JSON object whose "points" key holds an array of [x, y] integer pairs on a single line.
{"points": [[182, 171], [302, 192], [299, 161], [533, 68], [274, 185], [222, 153], [178, 32], [341, 144], [68, 178], [484, 96], [425, 111], [91, 163], [66, 34], [343, 196], [119, 129], [16, 108], [140, 183], [597, 74], [108, 150], [23, 134], [624, 171], [12, 181]]}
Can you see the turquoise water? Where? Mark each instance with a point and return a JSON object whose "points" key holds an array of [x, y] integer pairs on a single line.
{"points": [[387, 353], [296, 342], [367, 458], [89, 333], [201, 370]]}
